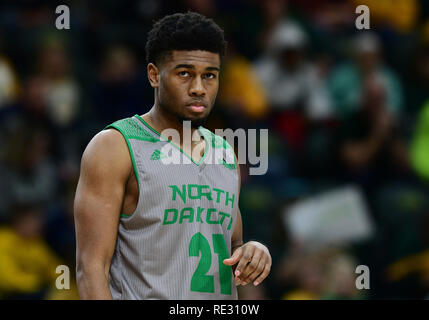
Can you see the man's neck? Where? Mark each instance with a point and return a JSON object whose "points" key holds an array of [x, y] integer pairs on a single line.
{"points": [[160, 120]]}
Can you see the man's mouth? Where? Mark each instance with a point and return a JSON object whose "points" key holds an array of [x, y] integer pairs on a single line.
{"points": [[196, 107]]}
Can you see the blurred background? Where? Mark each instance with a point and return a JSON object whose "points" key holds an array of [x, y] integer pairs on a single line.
{"points": [[347, 113]]}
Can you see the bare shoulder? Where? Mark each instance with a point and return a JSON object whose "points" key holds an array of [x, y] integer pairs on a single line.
{"points": [[107, 153]]}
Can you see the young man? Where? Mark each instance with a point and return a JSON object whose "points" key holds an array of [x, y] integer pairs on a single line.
{"points": [[150, 230]]}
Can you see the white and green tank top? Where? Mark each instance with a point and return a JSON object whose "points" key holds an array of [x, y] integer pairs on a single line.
{"points": [[174, 244]]}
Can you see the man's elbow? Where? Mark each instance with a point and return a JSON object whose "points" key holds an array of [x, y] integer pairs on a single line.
{"points": [[91, 268], [92, 279]]}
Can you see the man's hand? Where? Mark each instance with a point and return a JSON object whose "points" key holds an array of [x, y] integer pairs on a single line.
{"points": [[254, 263]]}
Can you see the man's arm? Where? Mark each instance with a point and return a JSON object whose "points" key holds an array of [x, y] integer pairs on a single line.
{"points": [[105, 169], [253, 258]]}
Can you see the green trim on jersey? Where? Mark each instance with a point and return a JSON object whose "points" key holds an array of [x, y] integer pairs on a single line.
{"points": [[219, 142], [200, 129], [130, 130]]}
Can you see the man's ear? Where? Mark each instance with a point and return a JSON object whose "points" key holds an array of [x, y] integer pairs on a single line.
{"points": [[153, 75]]}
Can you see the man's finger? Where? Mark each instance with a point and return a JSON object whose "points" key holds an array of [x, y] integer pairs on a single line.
{"points": [[256, 272], [236, 256], [263, 275], [245, 259], [252, 265]]}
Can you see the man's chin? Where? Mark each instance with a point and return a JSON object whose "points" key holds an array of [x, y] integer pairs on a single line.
{"points": [[196, 122]]}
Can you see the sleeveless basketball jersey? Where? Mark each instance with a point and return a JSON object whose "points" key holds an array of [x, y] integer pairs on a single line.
{"points": [[174, 244]]}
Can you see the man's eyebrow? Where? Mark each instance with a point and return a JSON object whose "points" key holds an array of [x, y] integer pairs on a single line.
{"points": [[213, 69], [187, 66], [190, 66]]}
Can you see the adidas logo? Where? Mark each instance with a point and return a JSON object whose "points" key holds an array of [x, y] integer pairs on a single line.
{"points": [[156, 155]]}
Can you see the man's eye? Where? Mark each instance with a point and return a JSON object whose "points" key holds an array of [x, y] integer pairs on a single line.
{"points": [[183, 73], [210, 76]]}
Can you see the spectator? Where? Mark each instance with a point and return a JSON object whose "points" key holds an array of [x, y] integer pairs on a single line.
{"points": [[27, 173], [62, 91], [291, 80], [31, 107], [370, 146], [346, 82], [238, 76], [27, 265], [340, 279], [273, 12], [121, 90], [303, 271], [297, 95]]}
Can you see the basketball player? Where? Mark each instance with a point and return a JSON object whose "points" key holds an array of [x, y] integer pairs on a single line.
{"points": [[150, 230]]}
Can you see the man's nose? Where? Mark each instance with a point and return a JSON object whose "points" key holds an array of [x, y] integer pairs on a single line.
{"points": [[197, 87]]}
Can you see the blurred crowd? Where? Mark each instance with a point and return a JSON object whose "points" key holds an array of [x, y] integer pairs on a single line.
{"points": [[343, 107]]}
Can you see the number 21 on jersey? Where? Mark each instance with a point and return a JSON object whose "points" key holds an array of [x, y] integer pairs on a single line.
{"points": [[201, 281]]}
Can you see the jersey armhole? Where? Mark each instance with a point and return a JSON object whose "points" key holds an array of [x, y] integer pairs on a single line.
{"points": [[118, 128]]}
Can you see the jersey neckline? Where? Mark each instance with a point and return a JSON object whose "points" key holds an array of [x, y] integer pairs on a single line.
{"points": [[206, 138]]}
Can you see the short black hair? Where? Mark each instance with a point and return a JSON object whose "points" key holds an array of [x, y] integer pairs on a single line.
{"points": [[184, 31]]}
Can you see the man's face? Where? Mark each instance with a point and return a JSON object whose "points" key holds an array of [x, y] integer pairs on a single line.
{"points": [[187, 84]]}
